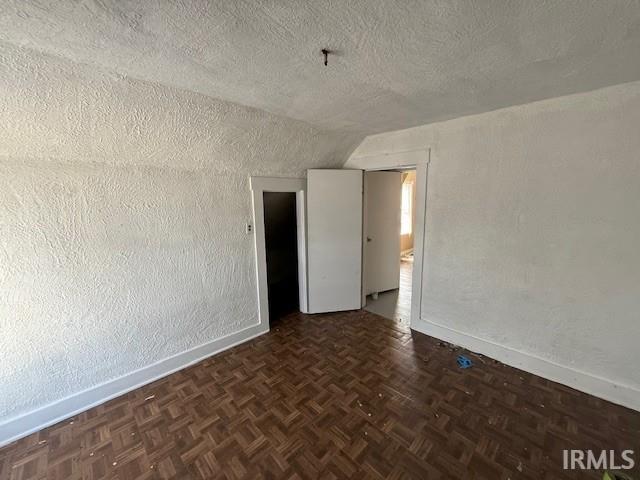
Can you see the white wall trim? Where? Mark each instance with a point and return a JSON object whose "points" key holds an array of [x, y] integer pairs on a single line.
{"points": [[398, 159], [35, 420], [409, 159], [621, 394], [277, 184], [258, 186], [419, 238]]}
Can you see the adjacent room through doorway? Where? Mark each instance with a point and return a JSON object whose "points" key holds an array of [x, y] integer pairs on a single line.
{"points": [[388, 245]]}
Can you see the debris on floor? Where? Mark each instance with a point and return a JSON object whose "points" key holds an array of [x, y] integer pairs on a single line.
{"points": [[615, 476], [478, 356], [454, 348], [464, 362], [448, 345]]}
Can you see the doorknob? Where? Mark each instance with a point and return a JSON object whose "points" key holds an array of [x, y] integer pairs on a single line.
{"points": [[369, 239]]}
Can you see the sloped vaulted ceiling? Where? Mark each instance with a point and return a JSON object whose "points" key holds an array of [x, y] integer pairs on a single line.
{"points": [[397, 63]]}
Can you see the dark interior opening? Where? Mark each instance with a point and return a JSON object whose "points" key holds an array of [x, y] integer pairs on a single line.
{"points": [[281, 242]]}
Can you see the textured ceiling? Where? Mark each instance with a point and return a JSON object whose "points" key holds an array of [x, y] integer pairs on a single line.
{"points": [[399, 63]]}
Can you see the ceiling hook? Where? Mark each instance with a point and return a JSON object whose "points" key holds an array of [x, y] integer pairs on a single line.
{"points": [[325, 52]]}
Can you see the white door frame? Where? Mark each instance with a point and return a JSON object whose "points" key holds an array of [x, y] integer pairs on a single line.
{"points": [[258, 186], [407, 160]]}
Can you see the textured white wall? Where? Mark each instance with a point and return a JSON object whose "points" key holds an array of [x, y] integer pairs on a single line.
{"points": [[532, 227], [122, 212]]}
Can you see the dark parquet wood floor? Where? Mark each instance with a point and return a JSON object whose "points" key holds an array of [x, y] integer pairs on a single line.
{"points": [[348, 395]]}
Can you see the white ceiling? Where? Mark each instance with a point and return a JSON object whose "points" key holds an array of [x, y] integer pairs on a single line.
{"points": [[399, 63]]}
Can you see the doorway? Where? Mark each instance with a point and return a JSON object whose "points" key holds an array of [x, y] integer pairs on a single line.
{"points": [[330, 241], [281, 250], [297, 188], [390, 213]]}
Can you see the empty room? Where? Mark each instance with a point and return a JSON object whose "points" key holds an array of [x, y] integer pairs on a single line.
{"points": [[286, 239]]}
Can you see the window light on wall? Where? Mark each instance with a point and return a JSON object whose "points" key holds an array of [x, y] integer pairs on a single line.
{"points": [[406, 207]]}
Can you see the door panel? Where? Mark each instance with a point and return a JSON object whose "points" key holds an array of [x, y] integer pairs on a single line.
{"points": [[383, 192], [334, 239]]}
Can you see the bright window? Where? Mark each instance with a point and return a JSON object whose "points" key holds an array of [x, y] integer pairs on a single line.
{"points": [[407, 206]]}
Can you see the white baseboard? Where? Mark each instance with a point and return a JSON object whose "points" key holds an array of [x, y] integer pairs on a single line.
{"points": [[25, 424], [625, 395]]}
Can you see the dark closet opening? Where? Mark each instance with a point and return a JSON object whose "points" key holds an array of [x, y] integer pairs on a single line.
{"points": [[281, 245]]}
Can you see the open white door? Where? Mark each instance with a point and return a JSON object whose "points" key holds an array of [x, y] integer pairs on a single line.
{"points": [[382, 231], [334, 240]]}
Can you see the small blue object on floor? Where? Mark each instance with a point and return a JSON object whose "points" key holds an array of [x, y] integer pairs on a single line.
{"points": [[464, 362]]}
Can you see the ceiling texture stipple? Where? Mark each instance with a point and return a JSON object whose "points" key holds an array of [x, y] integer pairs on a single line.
{"points": [[394, 63]]}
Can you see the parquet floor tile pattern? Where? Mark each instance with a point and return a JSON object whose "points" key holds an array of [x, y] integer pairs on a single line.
{"points": [[348, 395]]}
